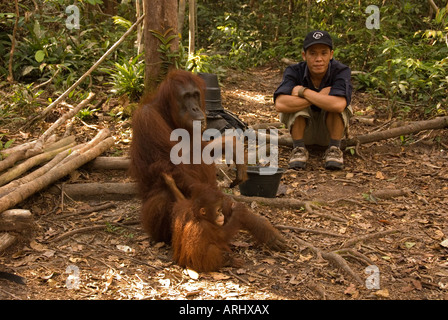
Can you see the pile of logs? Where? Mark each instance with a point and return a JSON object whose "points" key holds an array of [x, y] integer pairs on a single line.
{"points": [[62, 157], [31, 167]]}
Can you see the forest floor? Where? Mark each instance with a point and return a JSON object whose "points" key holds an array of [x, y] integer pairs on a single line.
{"points": [[409, 251]]}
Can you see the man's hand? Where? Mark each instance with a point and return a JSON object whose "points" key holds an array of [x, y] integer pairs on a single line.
{"points": [[293, 103], [325, 91], [324, 101], [295, 90]]}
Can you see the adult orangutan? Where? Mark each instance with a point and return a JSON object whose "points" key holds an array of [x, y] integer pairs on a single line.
{"points": [[178, 102]]}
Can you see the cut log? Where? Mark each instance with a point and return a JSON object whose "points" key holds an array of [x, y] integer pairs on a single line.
{"points": [[35, 174], [110, 163], [27, 150], [102, 191], [54, 174], [126, 190], [415, 127], [15, 220], [121, 163], [6, 240], [30, 163], [437, 123]]}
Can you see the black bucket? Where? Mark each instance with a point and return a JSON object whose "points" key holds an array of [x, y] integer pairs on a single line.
{"points": [[212, 91], [261, 182]]}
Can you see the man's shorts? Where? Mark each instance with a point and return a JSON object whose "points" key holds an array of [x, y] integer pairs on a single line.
{"points": [[316, 131]]}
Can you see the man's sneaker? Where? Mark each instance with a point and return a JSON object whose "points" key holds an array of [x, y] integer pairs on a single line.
{"points": [[298, 159], [334, 159]]}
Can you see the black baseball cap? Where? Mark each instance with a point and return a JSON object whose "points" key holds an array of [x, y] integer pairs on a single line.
{"points": [[317, 36]]}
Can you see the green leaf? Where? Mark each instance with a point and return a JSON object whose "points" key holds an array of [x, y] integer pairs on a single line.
{"points": [[27, 70], [409, 244], [9, 143], [39, 56], [37, 30]]}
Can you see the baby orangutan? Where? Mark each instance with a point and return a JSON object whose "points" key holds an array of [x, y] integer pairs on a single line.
{"points": [[201, 235]]}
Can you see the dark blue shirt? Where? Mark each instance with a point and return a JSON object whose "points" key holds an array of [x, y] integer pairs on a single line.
{"points": [[338, 77]]}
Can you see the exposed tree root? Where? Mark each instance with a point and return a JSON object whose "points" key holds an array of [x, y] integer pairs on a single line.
{"points": [[370, 236], [325, 232], [332, 257]]}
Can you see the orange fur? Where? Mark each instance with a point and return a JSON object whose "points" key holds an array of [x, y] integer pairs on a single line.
{"points": [[152, 124]]}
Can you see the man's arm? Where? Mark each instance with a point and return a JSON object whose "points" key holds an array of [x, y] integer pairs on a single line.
{"points": [[292, 103], [324, 101]]}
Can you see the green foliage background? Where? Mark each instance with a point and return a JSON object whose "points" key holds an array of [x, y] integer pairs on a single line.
{"points": [[404, 61]]}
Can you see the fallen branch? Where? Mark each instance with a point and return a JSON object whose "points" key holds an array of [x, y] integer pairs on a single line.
{"points": [[91, 228], [324, 232], [370, 236], [33, 148], [100, 136], [85, 75], [269, 125], [11, 159], [66, 116], [128, 190], [355, 254], [437, 123], [93, 209], [275, 202]]}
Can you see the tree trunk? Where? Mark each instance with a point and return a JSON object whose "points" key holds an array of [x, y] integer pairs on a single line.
{"points": [[139, 10], [181, 16], [10, 77], [161, 16], [110, 7], [192, 29]]}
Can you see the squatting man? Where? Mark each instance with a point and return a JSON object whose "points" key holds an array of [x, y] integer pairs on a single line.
{"points": [[313, 101]]}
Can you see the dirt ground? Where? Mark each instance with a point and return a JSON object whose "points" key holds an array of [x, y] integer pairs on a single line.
{"points": [[117, 260]]}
